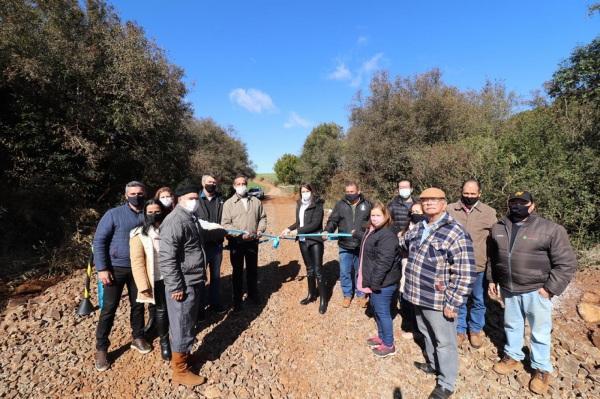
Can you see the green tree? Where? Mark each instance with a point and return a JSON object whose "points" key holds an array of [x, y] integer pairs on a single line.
{"points": [[321, 155], [286, 168]]}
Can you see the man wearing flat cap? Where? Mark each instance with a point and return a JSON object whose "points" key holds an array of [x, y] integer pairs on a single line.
{"points": [[532, 261], [439, 275], [182, 263]]}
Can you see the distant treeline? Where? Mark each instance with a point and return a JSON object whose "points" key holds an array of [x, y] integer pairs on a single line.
{"points": [[434, 134]]}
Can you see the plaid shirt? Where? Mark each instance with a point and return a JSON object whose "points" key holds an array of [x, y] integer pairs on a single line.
{"points": [[440, 271]]}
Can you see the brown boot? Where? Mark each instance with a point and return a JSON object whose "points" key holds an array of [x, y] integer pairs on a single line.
{"points": [[507, 365], [460, 339], [346, 303], [181, 371], [476, 339], [539, 382], [362, 301]]}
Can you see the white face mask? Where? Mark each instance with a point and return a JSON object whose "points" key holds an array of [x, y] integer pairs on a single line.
{"points": [[306, 196], [405, 192], [167, 201], [241, 190], [190, 205]]}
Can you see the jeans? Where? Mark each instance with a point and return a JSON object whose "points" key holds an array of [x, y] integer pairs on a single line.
{"points": [[349, 272], [441, 348], [538, 311], [214, 257], [477, 311], [122, 277], [183, 318], [381, 302], [312, 255], [240, 251]]}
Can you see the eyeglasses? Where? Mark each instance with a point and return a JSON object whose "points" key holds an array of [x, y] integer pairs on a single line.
{"points": [[432, 200]]}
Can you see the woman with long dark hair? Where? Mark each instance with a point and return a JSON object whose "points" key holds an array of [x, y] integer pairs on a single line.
{"points": [[309, 220], [379, 272], [144, 246]]}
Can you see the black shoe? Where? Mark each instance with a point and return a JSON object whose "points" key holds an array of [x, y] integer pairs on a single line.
{"points": [[101, 361], [141, 345], [217, 309], [237, 307], [165, 348], [440, 393], [425, 367], [254, 299]]}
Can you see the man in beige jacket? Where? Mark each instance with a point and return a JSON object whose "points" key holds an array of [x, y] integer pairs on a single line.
{"points": [[246, 213], [477, 219]]}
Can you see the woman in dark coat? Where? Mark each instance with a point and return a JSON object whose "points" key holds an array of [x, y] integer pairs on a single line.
{"points": [[309, 220], [379, 272]]}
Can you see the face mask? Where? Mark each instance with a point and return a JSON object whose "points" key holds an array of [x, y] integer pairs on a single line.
{"points": [[190, 205], [518, 212], [167, 201], [136, 201], [405, 192], [241, 190], [210, 188], [417, 218], [376, 220], [352, 197], [154, 218], [469, 201], [305, 197]]}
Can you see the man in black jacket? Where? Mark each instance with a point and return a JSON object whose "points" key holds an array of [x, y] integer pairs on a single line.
{"points": [[210, 209], [532, 261], [350, 214], [400, 206]]}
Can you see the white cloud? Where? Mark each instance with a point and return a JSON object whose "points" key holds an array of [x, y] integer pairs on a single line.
{"points": [[253, 100], [296, 120], [343, 73], [362, 40]]}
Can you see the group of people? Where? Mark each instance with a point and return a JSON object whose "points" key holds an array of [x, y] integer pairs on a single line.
{"points": [[161, 249], [437, 260]]}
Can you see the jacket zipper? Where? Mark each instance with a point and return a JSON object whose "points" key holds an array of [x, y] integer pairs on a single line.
{"points": [[509, 249]]}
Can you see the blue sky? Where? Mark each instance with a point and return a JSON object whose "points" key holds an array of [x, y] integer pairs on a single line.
{"points": [[274, 69]]}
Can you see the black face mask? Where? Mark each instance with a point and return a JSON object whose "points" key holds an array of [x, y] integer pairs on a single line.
{"points": [[352, 197], [518, 212], [469, 201], [210, 188], [154, 218], [136, 201], [417, 218]]}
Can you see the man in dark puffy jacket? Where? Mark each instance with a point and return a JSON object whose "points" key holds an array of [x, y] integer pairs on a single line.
{"points": [[111, 258], [350, 214], [400, 206], [532, 261]]}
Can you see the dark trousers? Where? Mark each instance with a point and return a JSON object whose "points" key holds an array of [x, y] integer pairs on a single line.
{"points": [[122, 277], [214, 258], [312, 254], [161, 315], [240, 251], [183, 318]]}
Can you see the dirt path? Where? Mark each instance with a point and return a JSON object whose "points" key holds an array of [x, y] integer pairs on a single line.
{"points": [[278, 349]]}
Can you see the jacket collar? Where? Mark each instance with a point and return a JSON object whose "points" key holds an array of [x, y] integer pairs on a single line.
{"points": [[507, 222], [458, 206]]}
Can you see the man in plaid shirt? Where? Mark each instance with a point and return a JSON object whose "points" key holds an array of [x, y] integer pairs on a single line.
{"points": [[439, 277]]}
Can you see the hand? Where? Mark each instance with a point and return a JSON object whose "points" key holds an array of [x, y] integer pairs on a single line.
{"points": [[247, 237], [258, 234], [147, 292], [449, 314], [493, 290], [178, 296], [544, 293], [325, 235], [106, 277], [285, 232]]}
